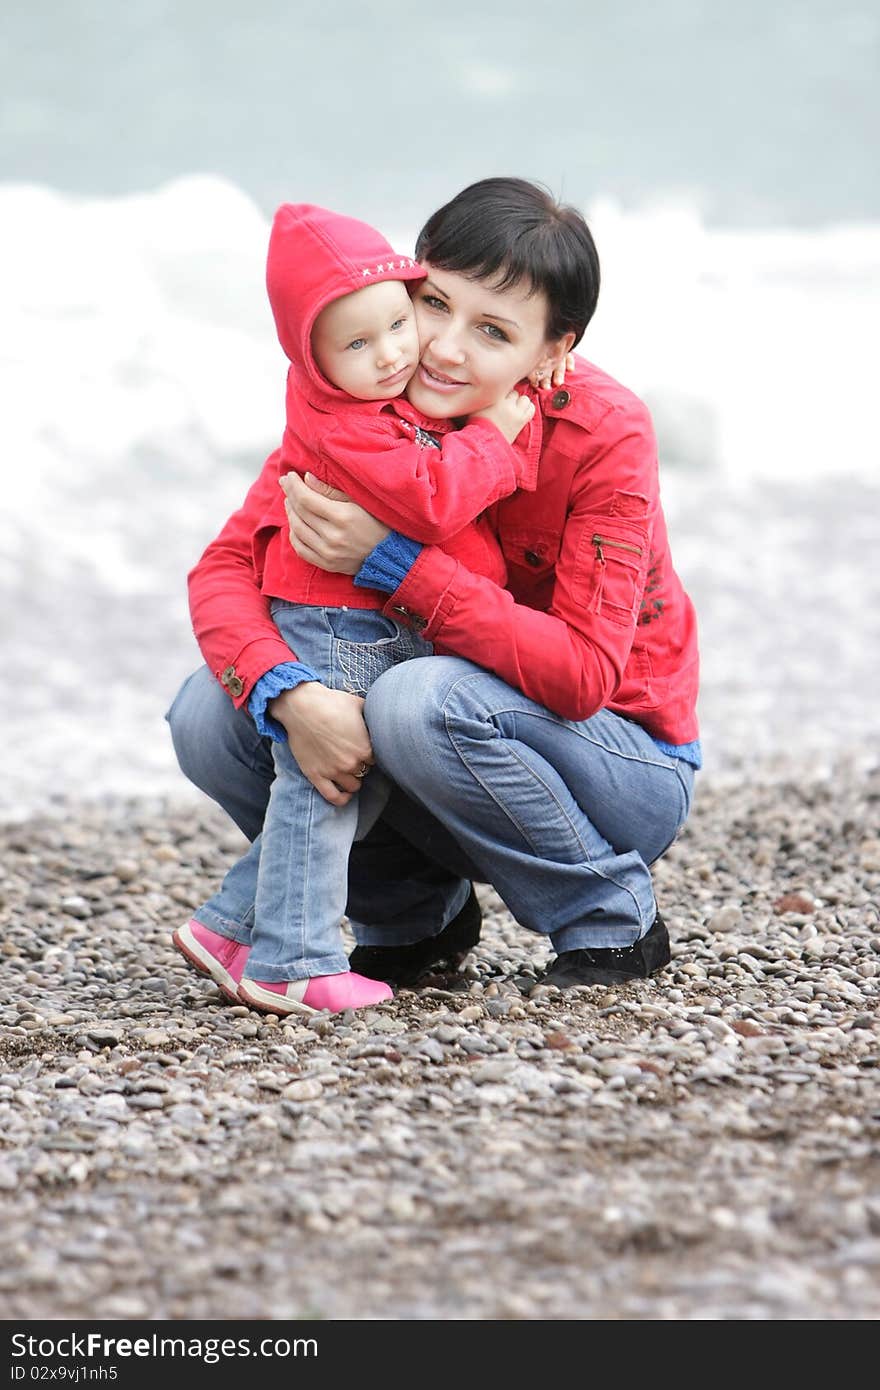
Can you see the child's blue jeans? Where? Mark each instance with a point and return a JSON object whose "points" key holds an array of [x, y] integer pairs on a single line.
{"points": [[287, 895]]}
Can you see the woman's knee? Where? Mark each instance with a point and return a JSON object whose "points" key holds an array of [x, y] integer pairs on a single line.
{"points": [[403, 704], [208, 731], [410, 707], [186, 721]]}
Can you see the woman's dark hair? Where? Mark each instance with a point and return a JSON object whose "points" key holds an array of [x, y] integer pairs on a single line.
{"points": [[512, 232]]}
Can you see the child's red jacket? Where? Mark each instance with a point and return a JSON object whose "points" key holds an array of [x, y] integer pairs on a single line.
{"points": [[372, 450]]}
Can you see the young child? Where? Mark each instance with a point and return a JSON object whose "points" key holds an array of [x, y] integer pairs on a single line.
{"points": [[347, 325]]}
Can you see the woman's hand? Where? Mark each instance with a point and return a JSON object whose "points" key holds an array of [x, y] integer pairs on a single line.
{"points": [[327, 736], [326, 528]]}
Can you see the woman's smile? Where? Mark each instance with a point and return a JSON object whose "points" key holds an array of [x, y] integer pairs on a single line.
{"points": [[438, 380]]}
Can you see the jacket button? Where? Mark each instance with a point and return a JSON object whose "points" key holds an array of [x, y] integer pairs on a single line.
{"points": [[560, 399], [532, 558], [415, 622], [234, 684]]}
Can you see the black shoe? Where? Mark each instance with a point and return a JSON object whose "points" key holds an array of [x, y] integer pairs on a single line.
{"points": [[613, 965], [404, 965]]}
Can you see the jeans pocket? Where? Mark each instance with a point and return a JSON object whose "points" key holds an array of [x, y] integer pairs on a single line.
{"points": [[366, 644], [362, 626], [362, 663]]}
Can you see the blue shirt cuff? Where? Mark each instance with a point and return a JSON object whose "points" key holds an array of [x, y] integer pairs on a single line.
{"points": [[388, 563], [688, 752], [286, 676]]}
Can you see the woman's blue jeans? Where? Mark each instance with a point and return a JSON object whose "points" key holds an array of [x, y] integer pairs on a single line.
{"points": [[562, 817]]}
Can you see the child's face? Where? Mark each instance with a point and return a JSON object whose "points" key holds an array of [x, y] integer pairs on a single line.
{"points": [[367, 342], [477, 343]]}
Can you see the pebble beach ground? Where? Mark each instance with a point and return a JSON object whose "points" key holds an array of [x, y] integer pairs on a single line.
{"points": [[703, 1145]]}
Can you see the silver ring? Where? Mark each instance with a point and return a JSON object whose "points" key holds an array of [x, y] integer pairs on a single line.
{"points": [[363, 771]]}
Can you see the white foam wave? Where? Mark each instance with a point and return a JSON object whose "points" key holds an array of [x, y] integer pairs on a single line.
{"points": [[135, 338], [139, 326], [754, 350]]}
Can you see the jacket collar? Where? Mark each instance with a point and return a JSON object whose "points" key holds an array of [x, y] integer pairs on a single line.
{"points": [[530, 442]]}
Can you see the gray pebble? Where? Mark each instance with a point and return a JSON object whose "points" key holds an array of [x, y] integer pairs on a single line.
{"points": [[76, 906], [146, 1100]]}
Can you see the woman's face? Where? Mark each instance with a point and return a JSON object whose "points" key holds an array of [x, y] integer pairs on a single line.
{"points": [[476, 342]]}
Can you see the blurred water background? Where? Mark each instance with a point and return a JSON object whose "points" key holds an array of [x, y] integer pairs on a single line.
{"points": [[726, 159]]}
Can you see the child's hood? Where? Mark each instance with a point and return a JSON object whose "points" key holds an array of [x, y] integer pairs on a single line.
{"points": [[316, 256]]}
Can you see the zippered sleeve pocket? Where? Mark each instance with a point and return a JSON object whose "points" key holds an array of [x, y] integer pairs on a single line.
{"points": [[610, 567]]}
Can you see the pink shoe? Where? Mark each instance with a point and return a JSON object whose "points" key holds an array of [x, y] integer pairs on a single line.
{"points": [[213, 955], [331, 992]]}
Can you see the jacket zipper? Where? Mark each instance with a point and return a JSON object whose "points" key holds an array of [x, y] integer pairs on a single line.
{"points": [[599, 541]]}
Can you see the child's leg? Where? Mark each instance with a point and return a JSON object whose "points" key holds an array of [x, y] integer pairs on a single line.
{"points": [[308, 843], [301, 884], [217, 939], [303, 854]]}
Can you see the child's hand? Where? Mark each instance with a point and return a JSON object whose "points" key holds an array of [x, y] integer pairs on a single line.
{"points": [[509, 414], [546, 377]]}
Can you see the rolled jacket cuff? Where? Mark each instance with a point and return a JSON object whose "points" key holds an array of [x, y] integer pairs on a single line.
{"points": [[284, 677], [388, 563]]}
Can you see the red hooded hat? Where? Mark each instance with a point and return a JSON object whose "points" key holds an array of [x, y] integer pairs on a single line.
{"points": [[316, 256]]}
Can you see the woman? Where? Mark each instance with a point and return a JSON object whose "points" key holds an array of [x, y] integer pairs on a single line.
{"points": [[554, 754]]}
